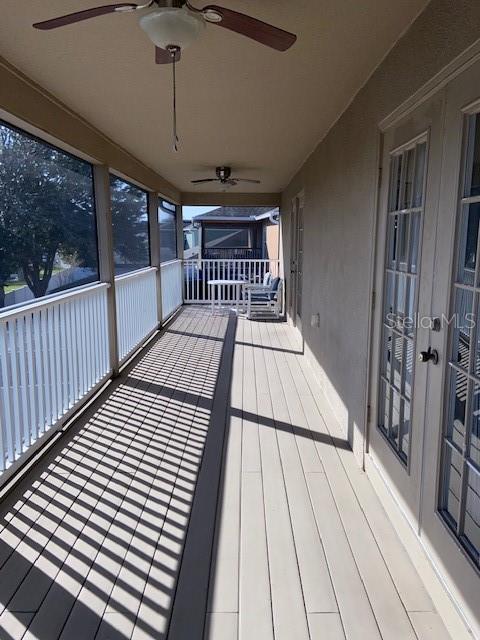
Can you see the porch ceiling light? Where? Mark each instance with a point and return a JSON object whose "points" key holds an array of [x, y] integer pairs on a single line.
{"points": [[172, 27]]}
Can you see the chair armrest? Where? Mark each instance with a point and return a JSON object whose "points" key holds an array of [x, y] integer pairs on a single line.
{"points": [[257, 287]]}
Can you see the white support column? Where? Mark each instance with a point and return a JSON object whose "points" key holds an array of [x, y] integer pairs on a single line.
{"points": [[180, 244], [105, 255], [179, 219], [154, 230]]}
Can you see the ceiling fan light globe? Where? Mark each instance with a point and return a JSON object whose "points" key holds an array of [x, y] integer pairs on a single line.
{"points": [[172, 27]]}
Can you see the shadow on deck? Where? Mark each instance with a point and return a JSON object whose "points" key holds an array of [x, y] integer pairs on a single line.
{"points": [[189, 502], [92, 539]]}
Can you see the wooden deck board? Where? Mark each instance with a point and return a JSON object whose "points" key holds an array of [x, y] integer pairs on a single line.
{"points": [[325, 626], [316, 582], [204, 497], [224, 577]]}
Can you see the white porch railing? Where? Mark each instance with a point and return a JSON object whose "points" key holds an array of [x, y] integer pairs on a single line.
{"points": [[172, 287], [136, 304], [52, 353], [197, 273]]}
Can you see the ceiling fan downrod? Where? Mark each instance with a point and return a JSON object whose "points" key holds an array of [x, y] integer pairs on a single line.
{"points": [[174, 50]]}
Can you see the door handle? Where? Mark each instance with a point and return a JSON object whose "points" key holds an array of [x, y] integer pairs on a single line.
{"points": [[430, 355]]}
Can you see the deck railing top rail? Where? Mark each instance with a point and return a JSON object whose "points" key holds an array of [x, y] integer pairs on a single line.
{"points": [[22, 308], [135, 274]]}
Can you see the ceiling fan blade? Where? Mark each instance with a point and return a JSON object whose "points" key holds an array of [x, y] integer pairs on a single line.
{"points": [[204, 180], [78, 16], [247, 180], [260, 31], [162, 56]]}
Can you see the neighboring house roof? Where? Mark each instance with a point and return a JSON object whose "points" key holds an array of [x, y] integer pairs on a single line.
{"points": [[236, 214]]}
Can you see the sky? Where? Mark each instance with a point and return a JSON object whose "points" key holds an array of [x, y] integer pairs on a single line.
{"points": [[188, 212]]}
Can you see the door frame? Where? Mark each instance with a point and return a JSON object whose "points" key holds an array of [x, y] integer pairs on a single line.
{"points": [[405, 480], [297, 203]]}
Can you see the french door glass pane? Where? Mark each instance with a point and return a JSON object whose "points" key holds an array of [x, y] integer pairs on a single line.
{"points": [[419, 174], [475, 330], [406, 201], [392, 240], [387, 355], [405, 432], [403, 242], [472, 510], [385, 396], [389, 299], [456, 418], [401, 298], [395, 181], [397, 352], [462, 327], [467, 245], [460, 464], [409, 322], [415, 229], [452, 483], [402, 250], [472, 173], [396, 421], [474, 453], [408, 367]]}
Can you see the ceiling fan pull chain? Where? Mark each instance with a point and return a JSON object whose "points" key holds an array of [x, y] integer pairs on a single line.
{"points": [[173, 53]]}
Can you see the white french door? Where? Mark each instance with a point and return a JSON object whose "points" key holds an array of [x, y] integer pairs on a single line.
{"points": [[452, 462], [406, 237], [425, 381]]}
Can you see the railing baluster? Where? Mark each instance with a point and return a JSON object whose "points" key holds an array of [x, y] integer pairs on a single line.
{"points": [[12, 343], [39, 368], [172, 289], [62, 310], [70, 355], [58, 368], [96, 333], [32, 382], [50, 364], [107, 365], [21, 337], [6, 395], [52, 352], [137, 307]]}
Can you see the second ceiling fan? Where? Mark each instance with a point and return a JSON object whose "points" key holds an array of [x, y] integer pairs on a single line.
{"points": [[224, 176]]}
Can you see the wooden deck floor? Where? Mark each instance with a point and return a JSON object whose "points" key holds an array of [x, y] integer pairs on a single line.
{"points": [[176, 509]]}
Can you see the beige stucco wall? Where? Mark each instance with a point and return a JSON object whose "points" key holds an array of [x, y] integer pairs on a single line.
{"points": [[271, 239], [339, 180]]}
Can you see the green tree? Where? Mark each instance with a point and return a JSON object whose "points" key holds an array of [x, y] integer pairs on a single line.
{"points": [[46, 210], [130, 224], [7, 263]]}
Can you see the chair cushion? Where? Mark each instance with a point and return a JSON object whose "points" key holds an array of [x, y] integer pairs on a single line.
{"points": [[274, 284]]}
